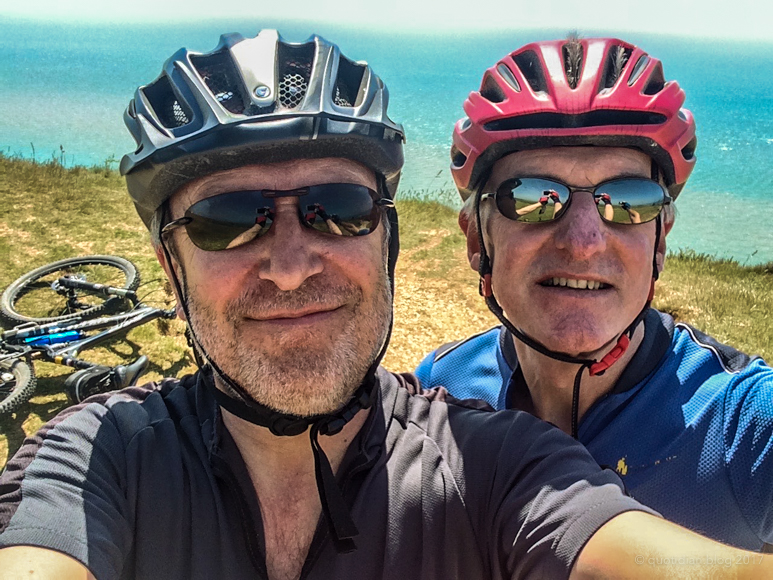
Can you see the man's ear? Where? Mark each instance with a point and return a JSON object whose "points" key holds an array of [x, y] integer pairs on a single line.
{"points": [[469, 227], [161, 257], [668, 222]]}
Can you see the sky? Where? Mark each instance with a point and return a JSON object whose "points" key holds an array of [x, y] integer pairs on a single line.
{"points": [[737, 19]]}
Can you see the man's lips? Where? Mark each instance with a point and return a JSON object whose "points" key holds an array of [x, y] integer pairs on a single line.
{"points": [[303, 316], [564, 280]]}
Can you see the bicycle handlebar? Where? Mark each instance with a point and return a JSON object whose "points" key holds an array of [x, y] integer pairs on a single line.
{"points": [[102, 289]]}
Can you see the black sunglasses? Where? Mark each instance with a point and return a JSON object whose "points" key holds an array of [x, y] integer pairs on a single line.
{"points": [[229, 220], [619, 201]]}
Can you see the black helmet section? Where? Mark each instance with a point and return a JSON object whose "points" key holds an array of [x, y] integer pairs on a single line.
{"points": [[257, 100], [263, 100]]}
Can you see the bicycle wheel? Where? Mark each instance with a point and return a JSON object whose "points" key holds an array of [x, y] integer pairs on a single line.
{"points": [[17, 383], [32, 298]]}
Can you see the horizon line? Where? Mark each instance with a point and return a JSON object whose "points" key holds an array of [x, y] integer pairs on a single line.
{"points": [[366, 26]]}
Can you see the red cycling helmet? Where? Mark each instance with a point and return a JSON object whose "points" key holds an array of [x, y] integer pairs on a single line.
{"points": [[595, 91]]}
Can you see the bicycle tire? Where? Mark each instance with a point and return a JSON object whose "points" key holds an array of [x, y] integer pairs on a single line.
{"points": [[18, 390], [31, 299]]}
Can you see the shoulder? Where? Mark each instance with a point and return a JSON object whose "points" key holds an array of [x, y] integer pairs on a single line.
{"points": [[525, 486], [466, 436], [106, 420], [706, 349], [134, 408], [473, 368], [715, 376], [475, 345]]}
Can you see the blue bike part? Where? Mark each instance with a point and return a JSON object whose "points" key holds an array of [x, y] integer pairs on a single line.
{"points": [[56, 338]]}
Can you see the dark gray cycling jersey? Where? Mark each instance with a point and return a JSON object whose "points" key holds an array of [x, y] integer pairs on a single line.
{"points": [[147, 483]]}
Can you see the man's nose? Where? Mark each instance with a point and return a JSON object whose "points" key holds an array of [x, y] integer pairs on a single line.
{"points": [[581, 231], [289, 252]]}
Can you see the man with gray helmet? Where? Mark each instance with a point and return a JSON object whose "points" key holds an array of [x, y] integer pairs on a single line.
{"points": [[266, 171]]}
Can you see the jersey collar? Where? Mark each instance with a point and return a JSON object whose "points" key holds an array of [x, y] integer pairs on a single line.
{"points": [[658, 335]]}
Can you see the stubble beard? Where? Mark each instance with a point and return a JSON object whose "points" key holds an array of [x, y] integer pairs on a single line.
{"points": [[306, 374]]}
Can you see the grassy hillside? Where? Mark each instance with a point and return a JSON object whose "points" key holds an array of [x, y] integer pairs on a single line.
{"points": [[48, 212]]}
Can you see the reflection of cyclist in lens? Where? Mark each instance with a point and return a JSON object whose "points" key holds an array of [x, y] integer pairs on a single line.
{"points": [[262, 215], [542, 204], [685, 420], [632, 213], [319, 210], [609, 210]]}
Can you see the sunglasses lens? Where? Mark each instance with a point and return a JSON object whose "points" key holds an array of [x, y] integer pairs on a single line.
{"points": [[229, 220], [531, 199], [630, 201], [341, 209]]}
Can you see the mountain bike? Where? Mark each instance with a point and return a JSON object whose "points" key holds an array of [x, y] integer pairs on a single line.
{"points": [[61, 309]]}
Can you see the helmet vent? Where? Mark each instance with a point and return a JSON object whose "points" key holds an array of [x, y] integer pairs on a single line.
{"points": [[638, 68], [169, 110], [573, 53], [600, 118], [688, 151], [616, 60], [491, 91], [458, 159], [531, 68], [295, 71], [292, 89], [656, 82], [509, 77], [348, 91], [219, 73]]}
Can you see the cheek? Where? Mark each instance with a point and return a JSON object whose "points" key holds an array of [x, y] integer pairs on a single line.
{"points": [[214, 278], [361, 261], [637, 252], [512, 247]]}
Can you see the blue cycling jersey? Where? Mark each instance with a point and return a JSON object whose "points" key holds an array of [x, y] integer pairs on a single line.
{"points": [[688, 426]]}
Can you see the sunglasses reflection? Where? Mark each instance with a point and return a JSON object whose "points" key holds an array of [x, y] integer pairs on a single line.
{"points": [[604, 199], [333, 222], [549, 201], [632, 213]]}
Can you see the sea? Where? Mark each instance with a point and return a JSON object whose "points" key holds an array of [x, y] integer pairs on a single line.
{"points": [[64, 88]]}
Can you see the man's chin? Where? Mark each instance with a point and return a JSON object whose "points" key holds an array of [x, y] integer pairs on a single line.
{"points": [[589, 344], [301, 401]]}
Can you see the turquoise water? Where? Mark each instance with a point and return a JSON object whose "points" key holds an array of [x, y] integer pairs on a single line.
{"points": [[67, 85]]}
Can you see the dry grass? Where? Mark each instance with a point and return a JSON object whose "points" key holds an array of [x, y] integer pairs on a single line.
{"points": [[49, 213]]}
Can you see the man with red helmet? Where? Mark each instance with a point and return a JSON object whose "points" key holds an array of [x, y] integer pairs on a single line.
{"points": [[686, 421]]}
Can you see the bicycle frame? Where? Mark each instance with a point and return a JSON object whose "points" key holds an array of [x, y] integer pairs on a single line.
{"points": [[58, 333], [66, 352]]}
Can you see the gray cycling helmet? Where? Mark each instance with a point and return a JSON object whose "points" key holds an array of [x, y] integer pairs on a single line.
{"points": [[256, 100]]}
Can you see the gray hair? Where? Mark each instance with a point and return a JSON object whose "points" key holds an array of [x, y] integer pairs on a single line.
{"points": [[156, 223]]}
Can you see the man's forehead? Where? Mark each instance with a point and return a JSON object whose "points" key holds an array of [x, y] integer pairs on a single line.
{"points": [[575, 165], [279, 176]]}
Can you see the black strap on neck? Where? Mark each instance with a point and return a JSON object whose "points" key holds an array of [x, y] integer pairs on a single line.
{"points": [[340, 525], [576, 400], [342, 528]]}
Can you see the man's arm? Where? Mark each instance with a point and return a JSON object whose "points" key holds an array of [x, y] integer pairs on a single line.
{"points": [[41, 564], [636, 545], [747, 436], [64, 494]]}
